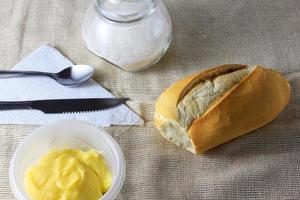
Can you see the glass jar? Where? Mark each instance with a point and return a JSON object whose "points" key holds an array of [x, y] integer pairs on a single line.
{"points": [[130, 34]]}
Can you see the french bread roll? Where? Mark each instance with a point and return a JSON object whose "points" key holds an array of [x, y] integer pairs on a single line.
{"points": [[215, 106]]}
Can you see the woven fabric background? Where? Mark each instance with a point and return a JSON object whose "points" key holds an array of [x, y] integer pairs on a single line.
{"points": [[262, 165]]}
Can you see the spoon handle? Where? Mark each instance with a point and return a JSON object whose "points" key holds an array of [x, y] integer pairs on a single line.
{"points": [[9, 73]]}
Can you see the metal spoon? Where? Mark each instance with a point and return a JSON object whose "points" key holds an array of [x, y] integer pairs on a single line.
{"points": [[70, 76]]}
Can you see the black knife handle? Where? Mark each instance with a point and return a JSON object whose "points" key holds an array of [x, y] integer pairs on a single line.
{"points": [[12, 105]]}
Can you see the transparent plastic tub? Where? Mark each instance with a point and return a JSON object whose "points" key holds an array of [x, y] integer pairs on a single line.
{"points": [[73, 134]]}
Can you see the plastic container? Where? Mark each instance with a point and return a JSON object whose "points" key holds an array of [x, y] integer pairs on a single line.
{"points": [[73, 134]]}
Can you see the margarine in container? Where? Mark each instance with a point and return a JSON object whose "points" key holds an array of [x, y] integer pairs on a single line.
{"points": [[68, 137], [68, 174]]}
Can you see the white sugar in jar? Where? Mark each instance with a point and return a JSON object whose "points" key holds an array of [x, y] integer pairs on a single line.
{"points": [[130, 34]]}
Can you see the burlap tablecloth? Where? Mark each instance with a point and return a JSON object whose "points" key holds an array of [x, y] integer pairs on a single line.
{"points": [[262, 165]]}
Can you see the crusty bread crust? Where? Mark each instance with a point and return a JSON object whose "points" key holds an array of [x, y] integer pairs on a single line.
{"points": [[252, 103], [168, 100]]}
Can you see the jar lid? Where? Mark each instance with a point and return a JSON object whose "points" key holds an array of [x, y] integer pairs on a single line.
{"points": [[124, 11]]}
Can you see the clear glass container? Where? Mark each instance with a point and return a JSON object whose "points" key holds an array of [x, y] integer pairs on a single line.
{"points": [[130, 34]]}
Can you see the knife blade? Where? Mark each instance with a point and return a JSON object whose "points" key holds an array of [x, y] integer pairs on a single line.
{"points": [[51, 106]]}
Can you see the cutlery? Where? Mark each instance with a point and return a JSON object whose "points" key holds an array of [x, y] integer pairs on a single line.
{"points": [[70, 76], [64, 105]]}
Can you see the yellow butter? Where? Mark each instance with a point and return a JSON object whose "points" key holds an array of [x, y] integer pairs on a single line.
{"points": [[69, 174]]}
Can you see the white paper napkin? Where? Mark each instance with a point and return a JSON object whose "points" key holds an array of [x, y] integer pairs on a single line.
{"points": [[47, 58]]}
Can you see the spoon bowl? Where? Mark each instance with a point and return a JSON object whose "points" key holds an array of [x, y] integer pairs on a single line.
{"points": [[74, 75]]}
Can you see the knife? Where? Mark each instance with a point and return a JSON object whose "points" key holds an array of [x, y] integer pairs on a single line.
{"points": [[64, 105]]}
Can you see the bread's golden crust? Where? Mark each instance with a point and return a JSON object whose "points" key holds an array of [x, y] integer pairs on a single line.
{"points": [[254, 102], [209, 74], [166, 104], [157, 120]]}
